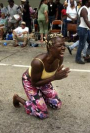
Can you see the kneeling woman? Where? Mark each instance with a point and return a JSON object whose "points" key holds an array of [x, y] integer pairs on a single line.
{"points": [[44, 69]]}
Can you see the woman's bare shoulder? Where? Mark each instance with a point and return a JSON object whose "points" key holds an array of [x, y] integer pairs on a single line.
{"points": [[38, 60]]}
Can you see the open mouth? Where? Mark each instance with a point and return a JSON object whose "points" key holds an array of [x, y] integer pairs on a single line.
{"points": [[62, 53]]}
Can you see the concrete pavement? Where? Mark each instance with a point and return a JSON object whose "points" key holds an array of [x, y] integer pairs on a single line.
{"points": [[74, 91]]}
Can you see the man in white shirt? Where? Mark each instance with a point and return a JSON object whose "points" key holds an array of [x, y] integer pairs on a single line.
{"points": [[21, 34]]}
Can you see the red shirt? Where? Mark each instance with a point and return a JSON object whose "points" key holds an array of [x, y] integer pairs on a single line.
{"points": [[63, 12]]}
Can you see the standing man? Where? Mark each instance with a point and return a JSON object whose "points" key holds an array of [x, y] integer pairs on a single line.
{"points": [[12, 9], [83, 29], [59, 9], [52, 8]]}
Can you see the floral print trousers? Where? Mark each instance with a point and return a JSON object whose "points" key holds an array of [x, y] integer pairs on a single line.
{"points": [[39, 98]]}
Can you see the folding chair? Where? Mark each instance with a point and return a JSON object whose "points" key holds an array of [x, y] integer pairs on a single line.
{"points": [[53, 26]]}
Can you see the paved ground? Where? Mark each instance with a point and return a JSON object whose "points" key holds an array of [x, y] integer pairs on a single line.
{"points": [[74, 91]]}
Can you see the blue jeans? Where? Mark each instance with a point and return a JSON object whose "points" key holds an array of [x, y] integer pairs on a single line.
{"points": [[76, 44], [83, 35], [51, 18], [64, 27]]}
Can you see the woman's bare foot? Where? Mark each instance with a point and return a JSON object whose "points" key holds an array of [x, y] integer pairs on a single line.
{"points": [[15, 101]]}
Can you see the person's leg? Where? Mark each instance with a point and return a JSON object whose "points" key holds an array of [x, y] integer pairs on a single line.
{"points": [[41, 29], [45, 26], [85, 49], [68, 30], [28, 24], [16, 24], [15, 39], [51, 96], [1, 33], [71, 47], [74, 45], [25, 39], [51, 19], [83, 34], [17, 99], [64, 28], [49, 23], [35, 105]]}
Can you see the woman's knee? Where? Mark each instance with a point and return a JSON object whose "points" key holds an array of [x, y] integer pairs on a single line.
{"points": [[42, 115], [55, 103]]}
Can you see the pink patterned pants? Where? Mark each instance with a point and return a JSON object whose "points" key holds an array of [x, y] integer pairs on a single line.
{"points": [[39, 97]]}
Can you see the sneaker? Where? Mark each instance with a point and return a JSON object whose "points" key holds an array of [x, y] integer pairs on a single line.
{"points": [[70, 51], [80, 62]]}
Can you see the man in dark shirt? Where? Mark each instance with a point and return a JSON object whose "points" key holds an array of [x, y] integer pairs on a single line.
{"points": [[52, 8], [59, 9], [26, 14]]}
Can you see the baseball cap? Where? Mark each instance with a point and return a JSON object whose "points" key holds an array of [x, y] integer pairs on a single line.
{"points": [[23, 0], [23, 23]]}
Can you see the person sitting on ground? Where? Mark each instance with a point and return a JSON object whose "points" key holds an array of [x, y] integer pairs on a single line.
{"points": [[3, 21], [21, 34], [44, 69]]}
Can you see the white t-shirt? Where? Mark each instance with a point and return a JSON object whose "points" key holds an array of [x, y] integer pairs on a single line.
{"points": [[19, 30], [71, 12], [89, 13], [82, 22]]}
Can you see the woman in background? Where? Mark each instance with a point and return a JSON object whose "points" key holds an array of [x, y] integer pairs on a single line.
{"points": [[71, 16], [3, 22], [43, 18]]}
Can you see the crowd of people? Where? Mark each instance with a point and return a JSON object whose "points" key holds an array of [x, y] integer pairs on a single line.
{"points": [[74, 15]]}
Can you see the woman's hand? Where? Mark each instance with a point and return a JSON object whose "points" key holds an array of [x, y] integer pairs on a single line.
{"points": [[61, 73]]}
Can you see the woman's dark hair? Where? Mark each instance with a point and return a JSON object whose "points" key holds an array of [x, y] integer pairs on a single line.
{"points": [[41, 3], [1, 4]]}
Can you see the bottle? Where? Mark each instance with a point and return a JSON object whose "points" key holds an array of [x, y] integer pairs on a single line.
{"points": [[5, 44]]}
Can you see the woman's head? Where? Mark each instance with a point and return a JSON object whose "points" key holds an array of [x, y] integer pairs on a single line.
{"points": [[2, 15], [65, 4], [72, 2], [11, 3], [23, 24], [55, 44], [41, 2], [1, 5], [86, 2]]}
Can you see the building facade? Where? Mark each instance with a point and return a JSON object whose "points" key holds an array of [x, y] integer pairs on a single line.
{"points": [[33, 3]]}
